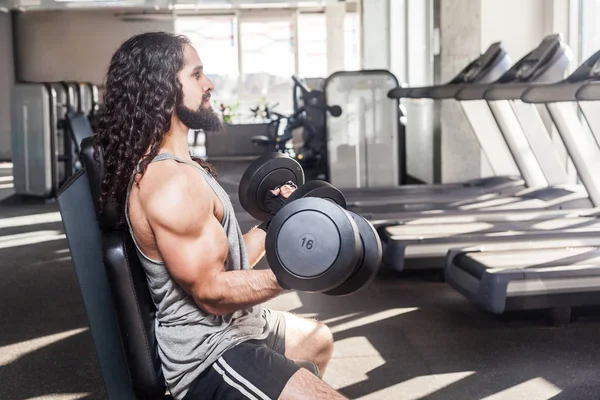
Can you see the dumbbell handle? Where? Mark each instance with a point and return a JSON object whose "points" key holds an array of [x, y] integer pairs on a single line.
{"points": [[275, 202]]}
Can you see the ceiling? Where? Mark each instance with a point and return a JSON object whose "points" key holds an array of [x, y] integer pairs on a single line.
{"points": [[32, 5]]}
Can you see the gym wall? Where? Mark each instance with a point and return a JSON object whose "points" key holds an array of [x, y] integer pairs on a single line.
{"points": [[6, 81], [73, 45]]}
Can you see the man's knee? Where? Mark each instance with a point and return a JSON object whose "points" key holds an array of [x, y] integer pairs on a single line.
{"points": [[308, 338], [325, 338], [322, 346]]}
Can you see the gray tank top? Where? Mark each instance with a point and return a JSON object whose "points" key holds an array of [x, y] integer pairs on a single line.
{"points": [[189, 339]]}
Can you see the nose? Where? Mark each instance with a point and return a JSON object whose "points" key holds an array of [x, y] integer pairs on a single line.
{"points": [[209, 86]]}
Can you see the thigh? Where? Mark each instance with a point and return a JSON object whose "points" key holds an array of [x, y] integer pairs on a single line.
{"points": [[277, 326], [304, 385], [248, 371]]}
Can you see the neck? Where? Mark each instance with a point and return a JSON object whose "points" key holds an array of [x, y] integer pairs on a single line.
{"points": [[176, 141]]}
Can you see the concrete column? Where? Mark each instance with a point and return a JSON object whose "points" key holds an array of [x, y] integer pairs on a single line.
{"points": [[460, 43], [6, 83], [375, 34], [334, 17]]}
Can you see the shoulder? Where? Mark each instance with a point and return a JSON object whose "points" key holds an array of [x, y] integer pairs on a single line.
{"points": [[175, 195]]}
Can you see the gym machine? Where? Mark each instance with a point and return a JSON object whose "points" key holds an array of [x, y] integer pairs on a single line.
{"points": [[366, 144], [48, 122], [424, 241], [563, 272], [506, 146]]}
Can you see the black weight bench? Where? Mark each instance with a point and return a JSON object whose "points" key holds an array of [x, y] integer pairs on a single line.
{"points": [[120, 311]]}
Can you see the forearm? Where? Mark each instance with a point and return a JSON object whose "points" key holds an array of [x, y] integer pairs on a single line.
{"points": [[236, 290], [255, 245]]}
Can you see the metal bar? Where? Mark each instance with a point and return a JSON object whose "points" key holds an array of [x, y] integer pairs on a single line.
{"points": [[517, 142], [541, 143], [489, 136], [590, 112], [581, 147]]}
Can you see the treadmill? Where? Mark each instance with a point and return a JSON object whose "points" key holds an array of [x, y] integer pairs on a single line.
{"points": [[422, 243], [547, 63], [524, 130], [487, 68], [554, 275]]}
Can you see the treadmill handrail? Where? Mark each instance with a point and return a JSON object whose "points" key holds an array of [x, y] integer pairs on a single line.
{"points": [[585, 156], [557, 92], [511, 91], [589, 91], [488, 67]]}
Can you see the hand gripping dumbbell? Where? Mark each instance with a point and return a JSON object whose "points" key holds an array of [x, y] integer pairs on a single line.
{"points": [[313, 244], [268, 173]]}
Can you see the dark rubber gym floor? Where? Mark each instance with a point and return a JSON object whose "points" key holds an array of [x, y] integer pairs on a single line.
{"points": [[406, 337]]}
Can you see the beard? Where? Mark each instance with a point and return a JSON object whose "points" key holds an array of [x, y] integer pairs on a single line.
{"points": [[204, 118]]}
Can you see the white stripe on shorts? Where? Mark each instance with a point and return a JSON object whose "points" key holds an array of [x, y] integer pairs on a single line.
{"points": [[233, 383], [247, 384]]}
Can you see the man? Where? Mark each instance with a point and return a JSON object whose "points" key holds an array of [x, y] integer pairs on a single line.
{"points": [[215, 339]]}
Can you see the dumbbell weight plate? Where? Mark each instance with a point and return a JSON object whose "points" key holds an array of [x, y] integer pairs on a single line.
{"points": [[312, 245], [322, 189], [370, 260], [266, 173]]}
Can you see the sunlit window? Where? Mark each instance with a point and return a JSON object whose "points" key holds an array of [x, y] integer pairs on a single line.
{"points": [[256, 67], [268, 62], [312, 45], [590, 30], [312, 42], [215, 39], [352, 42]]}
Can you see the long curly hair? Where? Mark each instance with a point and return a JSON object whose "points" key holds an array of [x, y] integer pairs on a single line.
{"points": [[142, 91]]}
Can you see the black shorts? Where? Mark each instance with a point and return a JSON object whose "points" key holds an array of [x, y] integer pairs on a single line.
{"points": [[256, 369]]}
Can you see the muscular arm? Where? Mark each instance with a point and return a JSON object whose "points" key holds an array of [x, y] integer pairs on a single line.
{"points": [[194, 248]]}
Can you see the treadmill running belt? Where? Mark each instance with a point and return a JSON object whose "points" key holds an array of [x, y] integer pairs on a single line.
{"points": [[426, 246], [500, 281], [452, 230]]}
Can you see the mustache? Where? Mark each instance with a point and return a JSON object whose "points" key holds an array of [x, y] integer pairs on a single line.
{"points": [[206, 97]]}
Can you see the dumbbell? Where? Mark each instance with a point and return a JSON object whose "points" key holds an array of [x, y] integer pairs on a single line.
{"points": [[313, 244], [271, 171]]}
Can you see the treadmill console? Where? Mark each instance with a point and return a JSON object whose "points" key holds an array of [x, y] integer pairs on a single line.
{"points": [[588, 71], [479, 70], [537, 61]]}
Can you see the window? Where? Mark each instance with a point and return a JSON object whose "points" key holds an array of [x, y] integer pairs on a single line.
{"points": [[215, 40], [312, 45], [268, 63], [352, 42], [590, 30], [256, 67]]}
